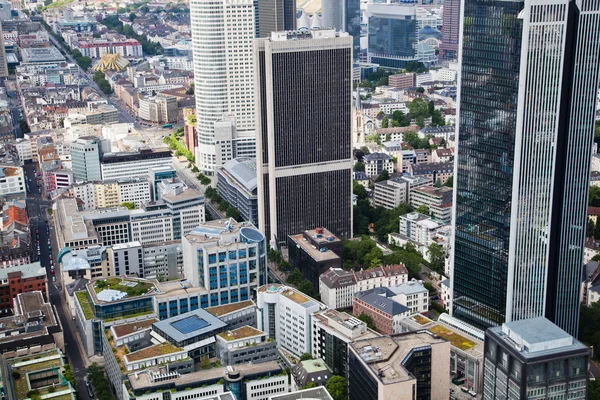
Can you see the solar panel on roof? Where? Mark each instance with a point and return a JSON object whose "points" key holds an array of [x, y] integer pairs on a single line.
{"points": [[189, 324]]}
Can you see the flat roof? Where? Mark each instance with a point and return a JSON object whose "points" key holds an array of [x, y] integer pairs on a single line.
{"points": [[212, 231], [240, 333], [318, 393], [291, 293], [33, 270], [219, 311], [385, 354], [129, 328], [189, 325], [314, 252], [41, 54], [153, 351]]}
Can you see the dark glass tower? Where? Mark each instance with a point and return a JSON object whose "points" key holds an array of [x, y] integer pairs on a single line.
{"points": [[527, 99], [344, 15], [304, 166], [275, 15]]}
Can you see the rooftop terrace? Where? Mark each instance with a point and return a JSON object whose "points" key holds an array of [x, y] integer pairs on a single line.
{"points": [[153, 351], [219, 311], [240, 333]]}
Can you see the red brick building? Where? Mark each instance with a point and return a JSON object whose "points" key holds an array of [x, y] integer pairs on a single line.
{"points": [[20, 279], [189, 136], [384, 312]]}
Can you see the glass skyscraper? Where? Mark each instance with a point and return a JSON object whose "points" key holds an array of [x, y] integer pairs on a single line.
{"points": [[344, 15], [527, 96]]}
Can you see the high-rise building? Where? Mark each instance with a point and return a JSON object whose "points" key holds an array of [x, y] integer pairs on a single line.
{"points": [[527, 96], [344, 15], [224, 77], [86, 153], [450, 30], [304, 166], [3, 64], [534, 358], [275, 16]]}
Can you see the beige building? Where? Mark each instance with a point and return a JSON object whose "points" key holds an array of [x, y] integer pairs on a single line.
{"points": [[390, 363]]}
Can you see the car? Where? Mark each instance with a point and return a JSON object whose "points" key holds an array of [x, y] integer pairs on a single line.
{"points": [[38, 252], [38, 242], [49, 241], [87, 383], [37, 231], [54, 279], [52, 271]]}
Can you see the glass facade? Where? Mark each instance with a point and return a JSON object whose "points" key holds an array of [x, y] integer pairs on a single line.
{"points": [[418, 363], [484, 174], [393, 37]]}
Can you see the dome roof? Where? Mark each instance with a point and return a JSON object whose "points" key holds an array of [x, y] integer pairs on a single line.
{"points": [[429, 32]]}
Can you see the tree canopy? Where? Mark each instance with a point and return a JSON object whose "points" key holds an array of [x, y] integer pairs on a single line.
{"points": [[337, 387]]}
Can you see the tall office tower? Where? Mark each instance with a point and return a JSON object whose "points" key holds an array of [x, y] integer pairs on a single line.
{"points": [[3, 64], [275, 16], [222, 34], [86, 153], [450, 30], [304, 118], [527, 96], [344, 15]]}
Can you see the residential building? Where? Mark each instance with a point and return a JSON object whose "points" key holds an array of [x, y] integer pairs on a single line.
{"points": [[245, 345], [98, 47], [336, 287], [412, 366], [86, 153], [227, 258], [236, 183], [442, 155], [402, 81], [12, 180], [23, 147], [300, 185], [384, 276], [345, 16], [286, 315], [393, 192], [438, 200], [361, 178], [228, 25], [20, 279], [313, 252], [413, 295], [313, 371], [134, 164], [376, 163], [446, 294], [534, 357], [439, 173], [529, 207], [160, 109], [105, 194], [419, 228], [385, 312], [331, 333], [275, 16]]}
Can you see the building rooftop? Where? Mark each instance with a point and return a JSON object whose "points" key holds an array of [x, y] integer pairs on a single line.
{"points": [[189, 325], [114, 289], [153, 351], [219, 311], [290, 293], [344, 324], [41, 54], [33, 270], [241, 333], [132, 327], [243, 170], [213, 231], [408, 288], [385, 355], [317, 393], [376, 157], [535, 337], [143, 154], [315, 365], [379, 298], [317, 254], [431, 167], [335, 278]]}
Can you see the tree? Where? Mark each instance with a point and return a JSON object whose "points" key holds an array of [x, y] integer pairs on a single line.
{"points": [[337, 387], [359, 190], [24, 127], [359, 167], [84, 62], [594, 393], [367, 320], [383, 176], [190, 90], [132, 17], [596, 257], [309, 385], [430, 288], [128, 204], [305, 356], [420, 90], [437, 257], [594, 198], [232, 212], [450, 182], [590, 228], [423, 209], [384, 122]]}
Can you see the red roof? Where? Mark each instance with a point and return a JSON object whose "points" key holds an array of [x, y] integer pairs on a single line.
{"points": [[593, 210]]}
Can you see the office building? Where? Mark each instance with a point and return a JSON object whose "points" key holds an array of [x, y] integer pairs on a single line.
{"points": [[160, 109], [275, 16], [159, 174], [533, 358], [336, 287], [185, 205], [313, 371], [317, 393], [331, 333], [245, 345], [437, 199], [450, 30], [523, 162], [437, 172], [313, 252], [285, 314], [404, 367], [345, 16], [393, 192], [227, 258], [236, 183], [226, 25], [304, 160], [12, 180], [134, 164], [402, 81], [86, 153], [3, 64], [384, 276]]}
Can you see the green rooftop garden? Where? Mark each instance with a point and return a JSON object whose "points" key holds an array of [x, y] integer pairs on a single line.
{"points": [[85, 304], [136, 288]]}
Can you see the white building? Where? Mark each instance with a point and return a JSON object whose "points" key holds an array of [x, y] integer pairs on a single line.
{"points": [[412, 295], [393, 192], [446, 294], [419, 228], [336, 287], [227, 258], [386, 276], [12, 180], [285, 314], [85, 156], [376, 163], [226, 24], [126, 259], [104, 194], [134, 164], [23, 147]]}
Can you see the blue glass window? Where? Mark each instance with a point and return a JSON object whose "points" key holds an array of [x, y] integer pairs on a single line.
{"points": [[252, 251], [232, 255], [242, 253], [222, 256], [224, 297], [212, 258], [214, 299]]}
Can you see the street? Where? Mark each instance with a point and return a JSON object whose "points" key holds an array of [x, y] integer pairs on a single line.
{"points": [[36, 209], [187, 176]]}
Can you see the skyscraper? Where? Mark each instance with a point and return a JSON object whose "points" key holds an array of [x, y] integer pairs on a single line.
{"points": [[3, 64], [304, 149], [344, 15], [222, 34], [86, 153], [527, 96], [450, 30], [276, 15]]}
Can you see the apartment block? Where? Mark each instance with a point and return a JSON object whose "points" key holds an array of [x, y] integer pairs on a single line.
{"points": [[438, 200]]}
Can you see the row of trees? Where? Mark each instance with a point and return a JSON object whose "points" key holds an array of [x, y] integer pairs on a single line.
{"points": [[99, 382], [83, 61], [113, 22], [294, 276], [178, 147], [100, 79], [215, 198]]}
